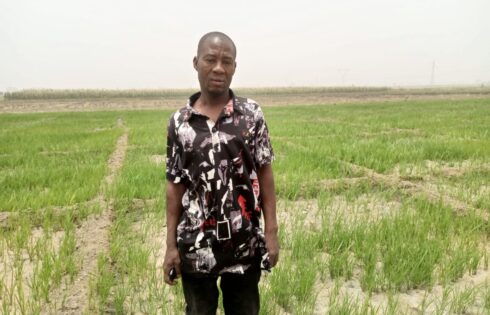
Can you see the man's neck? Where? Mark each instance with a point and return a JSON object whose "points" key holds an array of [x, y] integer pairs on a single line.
{"points": [[211, 101]]}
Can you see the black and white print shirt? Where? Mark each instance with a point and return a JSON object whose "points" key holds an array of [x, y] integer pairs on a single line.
{"points": [[219, 230]]}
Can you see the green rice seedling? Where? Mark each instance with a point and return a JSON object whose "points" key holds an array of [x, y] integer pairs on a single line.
{"points": [[137, 263], [486, 297], [343, 304], [393, 307], [442, 305], [341, 264], [20, 298], [120, 296], [42, 277], [8, 297], [104, 281], [302, 259], [338, 245], [22, 233], [268, 303], [292, 285], [462, 300], [457, 263], [368, 255], [66, 257], [157, 291], [293, 280], [279, 281]]}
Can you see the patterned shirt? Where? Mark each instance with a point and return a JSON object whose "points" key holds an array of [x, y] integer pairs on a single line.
{"points": [[219, 230]]}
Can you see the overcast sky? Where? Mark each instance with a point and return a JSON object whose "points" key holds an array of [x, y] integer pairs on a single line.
{"points": [[150, 44]]}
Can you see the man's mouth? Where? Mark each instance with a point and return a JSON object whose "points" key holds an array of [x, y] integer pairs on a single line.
{"points": [[217, 81]]}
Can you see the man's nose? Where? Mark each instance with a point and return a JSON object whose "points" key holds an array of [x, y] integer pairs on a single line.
{"points": [[218, 67]]}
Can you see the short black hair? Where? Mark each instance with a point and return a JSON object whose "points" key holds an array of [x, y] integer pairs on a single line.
{"points": [[220, 35]]}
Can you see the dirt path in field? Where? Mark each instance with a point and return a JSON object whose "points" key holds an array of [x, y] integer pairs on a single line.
{"points": [[92, 240], [412, 188]]}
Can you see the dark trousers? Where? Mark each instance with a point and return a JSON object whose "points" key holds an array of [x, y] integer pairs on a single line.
{"points": [[240, 293]]}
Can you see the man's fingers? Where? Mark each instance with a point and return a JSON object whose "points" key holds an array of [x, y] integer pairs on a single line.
{"points": [[166, 273], [171, 266], [273, 258], [166, 277]]}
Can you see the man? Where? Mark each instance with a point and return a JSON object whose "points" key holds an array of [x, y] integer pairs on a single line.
{"points": [[219, 182]]}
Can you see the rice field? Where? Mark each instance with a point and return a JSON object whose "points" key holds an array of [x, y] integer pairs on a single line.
{"points": [[383, 209]]}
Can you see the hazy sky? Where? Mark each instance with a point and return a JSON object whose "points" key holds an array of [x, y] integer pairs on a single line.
{"points": [[150, 44]]}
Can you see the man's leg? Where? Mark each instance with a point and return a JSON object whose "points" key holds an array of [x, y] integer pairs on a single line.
{"points": [[201, 294], [241, 293]]}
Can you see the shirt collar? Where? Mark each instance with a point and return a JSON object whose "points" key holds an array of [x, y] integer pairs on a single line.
{"points": [[228, 109]]}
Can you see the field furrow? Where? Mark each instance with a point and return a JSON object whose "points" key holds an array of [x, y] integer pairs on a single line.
{"points": [[93, 241]]}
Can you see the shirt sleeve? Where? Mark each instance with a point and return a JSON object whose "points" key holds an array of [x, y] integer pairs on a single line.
{"points": [[174, 172], [264, 154]]}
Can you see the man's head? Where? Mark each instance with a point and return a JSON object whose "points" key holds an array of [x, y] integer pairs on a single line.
{"points": [[215, 63]]}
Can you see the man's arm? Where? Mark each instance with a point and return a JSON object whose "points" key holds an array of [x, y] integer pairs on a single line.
{"points": [[268, 195], [174, 211]]}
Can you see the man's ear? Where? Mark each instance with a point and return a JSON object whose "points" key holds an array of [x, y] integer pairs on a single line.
{"points": [[194, 62]]}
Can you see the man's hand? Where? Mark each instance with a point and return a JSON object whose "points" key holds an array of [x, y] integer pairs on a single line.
{"points": [[174, 211], [267, 191], [172, 260], [272, 245]]}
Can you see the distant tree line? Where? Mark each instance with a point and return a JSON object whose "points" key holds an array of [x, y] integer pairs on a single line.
{"points": [[48, 94]]}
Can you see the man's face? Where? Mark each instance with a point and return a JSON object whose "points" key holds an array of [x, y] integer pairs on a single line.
{"points": [[215, 65]]}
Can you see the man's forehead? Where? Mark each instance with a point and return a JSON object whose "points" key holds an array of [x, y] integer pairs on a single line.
{"points": [[216, 51], [214, 45]]}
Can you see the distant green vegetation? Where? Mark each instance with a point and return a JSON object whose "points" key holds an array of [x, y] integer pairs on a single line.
{"points": [[354, 231], [56, 94]]}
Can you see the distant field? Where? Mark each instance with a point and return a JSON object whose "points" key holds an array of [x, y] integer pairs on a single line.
{"points": [[101, 100], [383, 209]]}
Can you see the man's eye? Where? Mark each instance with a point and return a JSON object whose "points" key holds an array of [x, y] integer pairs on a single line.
{"points": [[209, 60]]}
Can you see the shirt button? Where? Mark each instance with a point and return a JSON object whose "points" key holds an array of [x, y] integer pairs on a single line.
{"points": [[214, 129]]}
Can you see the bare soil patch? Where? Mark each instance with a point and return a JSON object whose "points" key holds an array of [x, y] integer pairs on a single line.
{"points": [[365, 208], [277, 99], [17, 268]]}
